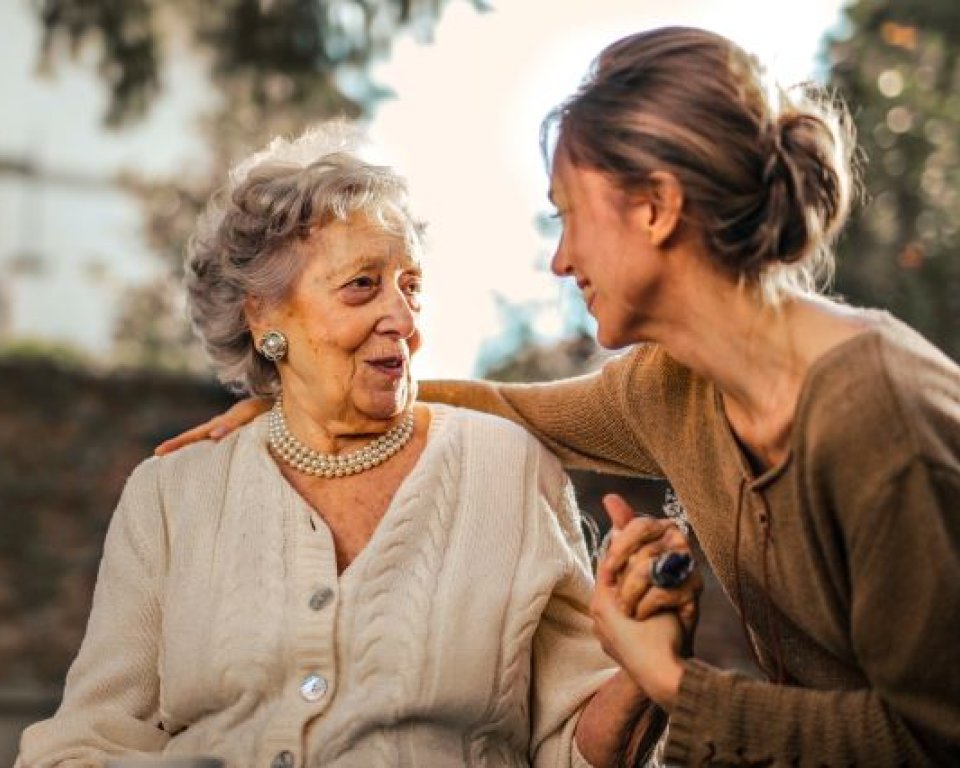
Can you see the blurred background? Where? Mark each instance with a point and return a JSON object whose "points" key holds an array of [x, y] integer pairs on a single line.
{"points": [[120, 116]]}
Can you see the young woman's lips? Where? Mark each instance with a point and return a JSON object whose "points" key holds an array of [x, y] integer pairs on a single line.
{"points": [[588, 298], [586, 291], [391, 367]]}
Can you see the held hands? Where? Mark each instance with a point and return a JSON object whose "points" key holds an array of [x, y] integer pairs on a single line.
{"points": [[644, 628], [219, 426]]}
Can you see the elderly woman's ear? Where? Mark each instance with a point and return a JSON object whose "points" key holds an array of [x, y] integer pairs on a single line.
{"points": [[261, 318], [255, 310]]}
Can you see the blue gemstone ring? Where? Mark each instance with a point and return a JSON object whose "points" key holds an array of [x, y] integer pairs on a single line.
{"points": [[671, 569]]}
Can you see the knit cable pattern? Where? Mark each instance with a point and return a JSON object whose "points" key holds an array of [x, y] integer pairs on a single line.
{"points": [[412, 541]]}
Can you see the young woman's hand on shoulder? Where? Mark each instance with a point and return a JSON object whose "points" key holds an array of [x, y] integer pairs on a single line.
{"points": [[219, 426]]}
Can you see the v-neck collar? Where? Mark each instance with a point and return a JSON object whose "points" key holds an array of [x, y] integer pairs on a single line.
{"points": [[290, 498], [817, 370]]}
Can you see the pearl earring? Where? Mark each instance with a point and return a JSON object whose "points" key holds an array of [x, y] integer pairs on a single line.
{"points": [[273, 346]]}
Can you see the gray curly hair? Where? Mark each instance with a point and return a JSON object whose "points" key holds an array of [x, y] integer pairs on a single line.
{"points": [[243, 245]]}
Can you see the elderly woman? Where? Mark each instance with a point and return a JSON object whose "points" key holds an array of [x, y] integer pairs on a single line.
{"points": [[351, 579]]}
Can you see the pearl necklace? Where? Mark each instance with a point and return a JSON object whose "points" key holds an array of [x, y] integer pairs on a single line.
{"points": [[304, 459]]}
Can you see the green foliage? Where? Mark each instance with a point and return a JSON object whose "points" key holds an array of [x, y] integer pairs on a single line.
{"points": [[151, 330], [125, 32], [898, 67], [278, 66], [285, 50], [534, 360]]}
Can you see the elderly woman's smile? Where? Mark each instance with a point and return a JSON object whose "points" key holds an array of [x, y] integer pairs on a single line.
{"points": [[351, 325]]}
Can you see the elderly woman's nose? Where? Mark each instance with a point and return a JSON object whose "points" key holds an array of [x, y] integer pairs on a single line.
{"points": [[399, 315]]}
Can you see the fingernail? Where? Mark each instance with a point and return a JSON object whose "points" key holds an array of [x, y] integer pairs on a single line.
{"points": [[217, 432]]}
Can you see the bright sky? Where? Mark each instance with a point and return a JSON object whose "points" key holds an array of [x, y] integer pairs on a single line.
{"points": [[464, 129], [474, 163]]}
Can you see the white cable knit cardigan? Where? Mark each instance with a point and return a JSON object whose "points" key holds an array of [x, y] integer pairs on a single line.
{"points": [[458, 637]]}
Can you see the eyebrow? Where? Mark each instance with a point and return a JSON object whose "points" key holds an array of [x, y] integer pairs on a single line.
{"points": [[370, 262]]}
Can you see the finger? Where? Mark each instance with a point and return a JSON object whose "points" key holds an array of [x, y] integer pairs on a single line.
{"points": [[640, 532], [185, 438], [634, 579], [240, 413], [218, 427], [246, 410], [674, 539], [602, 601], [656, 600], [649, 536], [619, 512], [606, 576], [688, 613], [633, 583]]}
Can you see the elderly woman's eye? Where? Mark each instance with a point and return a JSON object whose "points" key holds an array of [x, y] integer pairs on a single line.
{"points": [[362, 282], [413, 287]]}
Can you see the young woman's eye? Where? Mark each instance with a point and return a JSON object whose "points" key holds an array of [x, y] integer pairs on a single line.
{"points": [[557, 213]]}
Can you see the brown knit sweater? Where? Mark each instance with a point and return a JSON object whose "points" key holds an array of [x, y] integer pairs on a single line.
{"points": [[844, 559]]}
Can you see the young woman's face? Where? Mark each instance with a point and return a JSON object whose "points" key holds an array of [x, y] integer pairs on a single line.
{"points": [[605, 248], [352, 321]]}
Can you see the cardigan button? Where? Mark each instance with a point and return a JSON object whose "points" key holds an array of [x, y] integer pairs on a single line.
{"points": [[282, 760], [313, 687], [320, 599]]}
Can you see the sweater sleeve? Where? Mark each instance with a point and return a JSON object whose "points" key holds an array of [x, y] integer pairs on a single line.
{"points": [[110, 701], [583, 420], [904, 569], [568, 663]]}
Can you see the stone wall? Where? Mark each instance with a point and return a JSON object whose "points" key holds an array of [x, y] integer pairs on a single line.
{"points": [[68, 440]]}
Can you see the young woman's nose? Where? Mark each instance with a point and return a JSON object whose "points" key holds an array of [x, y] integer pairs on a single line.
{"points": [[560, 263]]}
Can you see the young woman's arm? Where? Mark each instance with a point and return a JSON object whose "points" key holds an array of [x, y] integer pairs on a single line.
{"points": [[903, 566], [582, 420], [219, 426]]}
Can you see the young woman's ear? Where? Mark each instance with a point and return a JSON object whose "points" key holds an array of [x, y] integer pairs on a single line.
{"points": [[665, 207]]}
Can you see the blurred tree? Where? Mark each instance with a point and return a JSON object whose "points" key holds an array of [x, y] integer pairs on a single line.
{"points": [[152, 331], [277, 65], [896, 63], [533, 360]]}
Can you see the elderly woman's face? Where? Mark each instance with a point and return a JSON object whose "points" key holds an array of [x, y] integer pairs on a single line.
{"points": [[351, 322]]}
